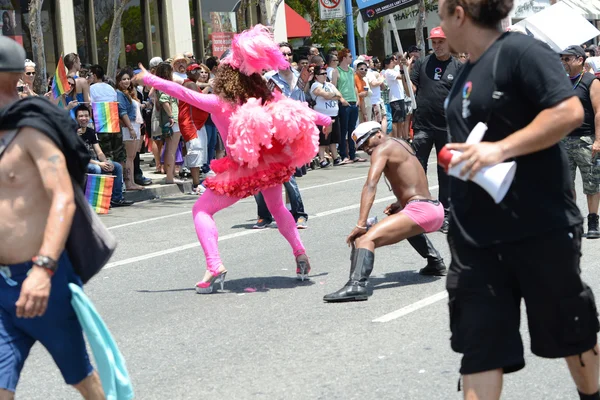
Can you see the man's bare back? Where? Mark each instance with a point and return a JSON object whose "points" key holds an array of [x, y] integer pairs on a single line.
{"points": [[402, 169], [24, 201]]}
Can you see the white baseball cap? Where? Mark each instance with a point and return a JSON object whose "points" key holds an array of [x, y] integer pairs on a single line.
{"points": [[364, 131]]}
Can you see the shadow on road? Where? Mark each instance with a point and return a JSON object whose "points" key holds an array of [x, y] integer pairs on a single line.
{"points": [[401, 278], [252, 285]]}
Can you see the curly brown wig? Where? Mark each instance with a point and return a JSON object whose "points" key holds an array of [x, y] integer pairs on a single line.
{"points": [[237, 88]]}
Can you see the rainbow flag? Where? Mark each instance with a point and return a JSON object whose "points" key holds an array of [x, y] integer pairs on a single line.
{"points": [[60, 84], [106, 117], [98, 191]]}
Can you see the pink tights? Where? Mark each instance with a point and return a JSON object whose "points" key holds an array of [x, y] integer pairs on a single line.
{"points": [[210, 203]]}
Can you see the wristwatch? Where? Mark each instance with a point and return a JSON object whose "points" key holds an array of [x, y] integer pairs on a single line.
{"points": [[46, 262]]}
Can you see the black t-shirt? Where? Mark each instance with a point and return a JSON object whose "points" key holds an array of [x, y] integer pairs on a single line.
{"points": [[90, 138], [433, 79], [540, 199]]}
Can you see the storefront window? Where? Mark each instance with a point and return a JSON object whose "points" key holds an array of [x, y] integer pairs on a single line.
{"points": [[15, 24], [133, 44], [218, 18], [155, 28], [81, 11]]}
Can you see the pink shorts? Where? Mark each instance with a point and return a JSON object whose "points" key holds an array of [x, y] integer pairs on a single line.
{"points": [[428, 214]]}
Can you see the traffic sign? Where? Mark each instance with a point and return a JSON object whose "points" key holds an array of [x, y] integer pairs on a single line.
{"points": [[372, 9], [332, 9]]}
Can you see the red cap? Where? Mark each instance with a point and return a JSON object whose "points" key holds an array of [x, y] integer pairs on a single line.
{"points": [[192, 67], [437, 33], [444, 158]]}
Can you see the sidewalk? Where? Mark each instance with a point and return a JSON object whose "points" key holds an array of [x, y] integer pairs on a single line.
{"points": [[158, 189]]}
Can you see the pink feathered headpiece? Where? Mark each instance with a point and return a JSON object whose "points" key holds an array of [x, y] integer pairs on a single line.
{"points": [[254, 50]]}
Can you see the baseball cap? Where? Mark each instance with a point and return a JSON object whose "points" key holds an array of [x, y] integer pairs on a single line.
{"points": [[413, 48], [12, 56], [154, 62], [437, 33], [364, 131], [192, 67], [574, 50]]}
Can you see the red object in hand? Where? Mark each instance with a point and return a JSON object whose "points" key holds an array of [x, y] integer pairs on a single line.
{"points": [[445, 157]]}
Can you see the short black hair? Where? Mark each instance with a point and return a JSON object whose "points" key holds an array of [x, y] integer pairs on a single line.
{"points": [[285, 44], [98, 71], [81, 107], [212, 62], [388, 59], [302, 57], [361, 63]]}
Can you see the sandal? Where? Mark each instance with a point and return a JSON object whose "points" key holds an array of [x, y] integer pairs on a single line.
{"points": [[346, 161], [324, 163], [358, 159]]}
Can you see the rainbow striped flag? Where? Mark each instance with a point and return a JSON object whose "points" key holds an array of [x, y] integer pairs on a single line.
{"points": [[98, 191], [106, 117], [60, 84]]}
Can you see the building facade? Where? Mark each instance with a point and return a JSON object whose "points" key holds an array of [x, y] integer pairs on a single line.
{"points": [[149, 28]]}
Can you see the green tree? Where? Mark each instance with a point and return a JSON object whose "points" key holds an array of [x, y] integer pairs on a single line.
{"points": [[324, 32]]}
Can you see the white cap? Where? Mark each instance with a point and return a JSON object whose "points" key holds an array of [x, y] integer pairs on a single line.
{"points": [[154, 62], [364, 131]]}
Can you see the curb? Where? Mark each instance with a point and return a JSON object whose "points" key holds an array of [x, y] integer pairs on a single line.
{"points": [[157, 191]]}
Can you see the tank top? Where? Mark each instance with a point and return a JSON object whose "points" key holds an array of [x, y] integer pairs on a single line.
{"points": [[345, 84], [582, 90]]}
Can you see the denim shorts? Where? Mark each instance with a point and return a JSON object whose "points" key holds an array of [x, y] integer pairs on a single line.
{"points": [[58, 330]]}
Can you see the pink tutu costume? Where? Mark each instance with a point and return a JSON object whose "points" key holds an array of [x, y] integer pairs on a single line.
{"points": [[264, 143]]}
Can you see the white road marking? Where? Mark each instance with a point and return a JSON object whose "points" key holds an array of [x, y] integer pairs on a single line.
{"points": [[155, 254], [189, 212], [412, 307]]}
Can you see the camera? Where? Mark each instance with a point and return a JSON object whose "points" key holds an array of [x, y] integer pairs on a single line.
{"points": [[20, 89]]}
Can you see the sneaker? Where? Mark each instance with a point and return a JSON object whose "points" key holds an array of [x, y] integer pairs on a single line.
{"points": [[301, 223], [593, 228], [324, 163], [210, 174], [444, 228], [120, 203], [337, 161], [262, 224]]}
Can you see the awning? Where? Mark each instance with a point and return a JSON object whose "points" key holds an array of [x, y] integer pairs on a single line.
{"points": [[590, 9], [297, 27]]}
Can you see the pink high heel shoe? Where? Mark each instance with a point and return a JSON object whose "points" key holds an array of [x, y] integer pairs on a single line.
{"points": [[207, 287], [302, 267]]}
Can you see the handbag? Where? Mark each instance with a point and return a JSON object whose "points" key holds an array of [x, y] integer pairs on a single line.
{"points": [[89, 244]]}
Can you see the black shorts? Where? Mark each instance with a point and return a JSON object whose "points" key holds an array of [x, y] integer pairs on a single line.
{"points": [[334, 135], [486, 285], [398, 111]]}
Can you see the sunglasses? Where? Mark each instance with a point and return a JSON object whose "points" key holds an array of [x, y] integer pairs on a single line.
{"points": [[322, 73], [567, 59], [286, 54], [362, 69], [30, 73]]}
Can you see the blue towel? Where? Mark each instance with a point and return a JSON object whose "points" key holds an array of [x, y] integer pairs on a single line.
{"points": [[109, 361]]}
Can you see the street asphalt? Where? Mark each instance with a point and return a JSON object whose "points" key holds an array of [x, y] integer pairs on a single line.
{"points": [[269, 336]]}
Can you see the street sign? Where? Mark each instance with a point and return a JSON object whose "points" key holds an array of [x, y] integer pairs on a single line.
{"points": [[372, 9], [332, 9], [362, 27]]}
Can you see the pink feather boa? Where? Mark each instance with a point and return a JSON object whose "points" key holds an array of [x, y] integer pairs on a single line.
{"points": [[254, 50], [254, 128]]}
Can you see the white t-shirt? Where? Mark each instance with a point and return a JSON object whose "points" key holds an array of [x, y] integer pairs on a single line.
{"points": [[395, 85], [327, 107], [102, 92], [329, 72], [375, 90]]}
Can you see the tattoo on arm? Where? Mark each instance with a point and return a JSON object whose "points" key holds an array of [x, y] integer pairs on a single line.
{"points": [[54, 159]]}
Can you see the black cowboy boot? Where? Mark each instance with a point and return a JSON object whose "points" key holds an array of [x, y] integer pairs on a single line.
{"points": [[435, 263], [360, 269]]}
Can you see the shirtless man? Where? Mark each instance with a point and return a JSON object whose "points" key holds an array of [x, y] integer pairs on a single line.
{"points": [[36, 211], [414, 214]]}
